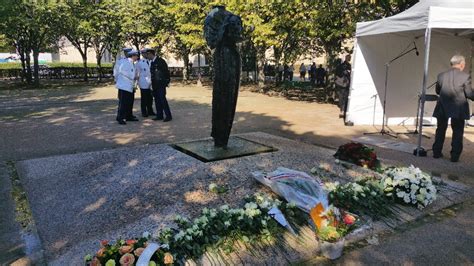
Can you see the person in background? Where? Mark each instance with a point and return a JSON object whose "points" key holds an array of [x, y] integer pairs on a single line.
{"points": [[312, 73], [280, 69], [454, 88], [343, 82], [160, 79], [125, 83], [144, 83], [302, 72], [320, 76], [291, 70]]}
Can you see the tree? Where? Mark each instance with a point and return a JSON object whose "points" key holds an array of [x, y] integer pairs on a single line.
{"points": [[185, 21], [32, 32], [140, 23], [42, 20], [15, 28], [76, 26], [106, 31]]}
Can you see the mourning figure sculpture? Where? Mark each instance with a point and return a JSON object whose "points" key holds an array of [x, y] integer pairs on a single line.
{"points": [[222, 31]]}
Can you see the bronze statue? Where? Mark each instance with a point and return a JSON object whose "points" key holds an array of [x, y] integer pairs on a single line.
{"points": [[222, 30]]}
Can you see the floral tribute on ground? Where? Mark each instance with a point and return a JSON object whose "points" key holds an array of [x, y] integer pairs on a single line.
{"points": [[215, 229], [358, 154], [333, 209], [409, 185]]}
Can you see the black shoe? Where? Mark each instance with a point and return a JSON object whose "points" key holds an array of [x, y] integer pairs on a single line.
{"points": [[133, 119], [167, 119], [152, 114], [437, 155], [144, 115], [158, 118], [454, 159], [121, 122]]}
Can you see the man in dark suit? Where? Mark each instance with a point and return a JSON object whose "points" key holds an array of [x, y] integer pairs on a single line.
{"points": [[160, 79], [454, 88]]}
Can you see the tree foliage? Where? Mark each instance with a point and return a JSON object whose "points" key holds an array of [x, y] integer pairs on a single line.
{"points": [[289, 28]]}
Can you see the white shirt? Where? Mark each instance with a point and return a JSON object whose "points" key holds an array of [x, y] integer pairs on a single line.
{"points": [[144, 75], [125, 75]]}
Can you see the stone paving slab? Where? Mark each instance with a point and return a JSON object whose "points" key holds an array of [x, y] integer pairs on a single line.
{"points": [[80, 199]]}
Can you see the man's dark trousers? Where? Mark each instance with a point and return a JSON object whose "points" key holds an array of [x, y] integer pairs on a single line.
{"points": [[457, 125], [146, 102], [159, 92], [125, 105]]}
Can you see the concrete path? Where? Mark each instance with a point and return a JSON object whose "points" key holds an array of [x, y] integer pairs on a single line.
{"points": [[69, 120]]}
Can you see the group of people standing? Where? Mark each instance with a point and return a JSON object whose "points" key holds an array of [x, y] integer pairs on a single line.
{"points": [[151, 75], [317, 75]]}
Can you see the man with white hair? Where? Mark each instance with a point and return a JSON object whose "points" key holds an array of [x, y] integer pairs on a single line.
{"points": [[453, 88]]}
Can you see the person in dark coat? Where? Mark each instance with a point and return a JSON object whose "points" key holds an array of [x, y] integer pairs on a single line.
{"points": [[454, 88], [320, 76], [160, 79]]}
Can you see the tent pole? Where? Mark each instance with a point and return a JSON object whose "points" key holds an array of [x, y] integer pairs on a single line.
{"points": [[419, 151]]}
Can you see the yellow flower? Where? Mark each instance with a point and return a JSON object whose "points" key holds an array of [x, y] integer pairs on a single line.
{"points": [[151, 263], [110, 263], [168, 258]]}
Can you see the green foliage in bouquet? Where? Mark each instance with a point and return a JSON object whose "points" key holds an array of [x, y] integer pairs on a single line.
{"points": [[363, 197], [358, 154], [221, 228]]}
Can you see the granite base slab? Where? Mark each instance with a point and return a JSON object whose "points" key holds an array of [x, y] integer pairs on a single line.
{"points": [[205, 151]]}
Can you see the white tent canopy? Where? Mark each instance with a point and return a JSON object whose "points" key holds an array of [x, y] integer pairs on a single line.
{"points": [[438, 28]]}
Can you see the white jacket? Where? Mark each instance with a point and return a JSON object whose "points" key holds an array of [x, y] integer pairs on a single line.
{"points": [[144, 75], [117, 65], [126, 76]]}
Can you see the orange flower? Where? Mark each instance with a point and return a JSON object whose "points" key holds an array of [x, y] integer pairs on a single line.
{"points": [[100, 253], [138, 252], [168, 259], [130, 242], [127, 260], [349, 219], [125, 249], [104, 243]]}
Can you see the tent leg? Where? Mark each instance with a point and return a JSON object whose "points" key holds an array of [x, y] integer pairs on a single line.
{"points": [[420, 151]]}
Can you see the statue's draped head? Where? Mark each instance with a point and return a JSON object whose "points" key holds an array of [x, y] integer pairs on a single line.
{"points": [[221, 27]]}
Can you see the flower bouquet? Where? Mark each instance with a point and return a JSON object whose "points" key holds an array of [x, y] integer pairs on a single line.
{"points": [[358, 154], [332, 225], [363, 197], [127, 252], [409, 185]]}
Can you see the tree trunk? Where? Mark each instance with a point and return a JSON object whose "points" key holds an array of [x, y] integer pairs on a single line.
{"points": [[84, 63], [98, 58], [199, 82], [186, 66], [36, 66], [260, 69], [28, 66], [21, 52]]}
